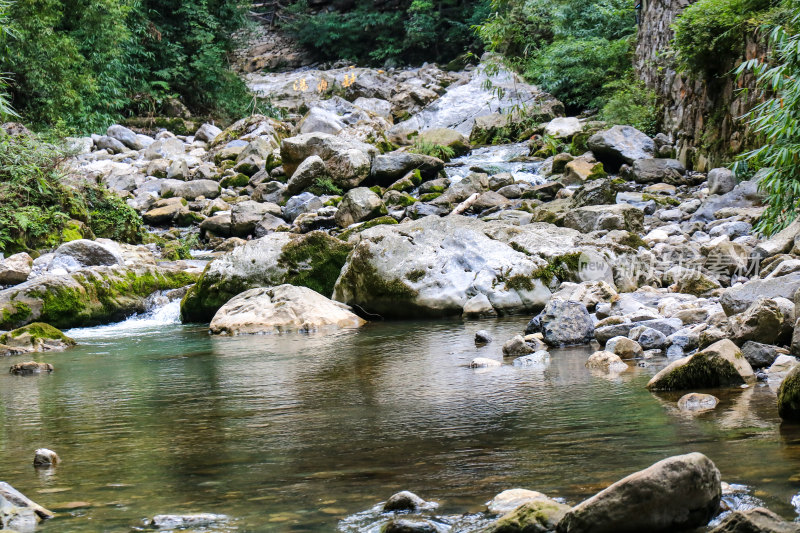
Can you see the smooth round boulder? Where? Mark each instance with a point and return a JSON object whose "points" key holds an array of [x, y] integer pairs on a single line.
{"points": [[566, 323], [624, 347], [508, 500], [90, 253], [605, 362], [282, 309], [695, 401], [675, 494]]}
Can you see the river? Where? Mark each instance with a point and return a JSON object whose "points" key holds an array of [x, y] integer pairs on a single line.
{"points": [[299, 432]]}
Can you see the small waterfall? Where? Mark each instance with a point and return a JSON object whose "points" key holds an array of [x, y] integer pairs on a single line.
{"points": [[161, 311], [496, 159]]}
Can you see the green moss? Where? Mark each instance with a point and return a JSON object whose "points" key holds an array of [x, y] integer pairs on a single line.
{"points": [[561, 267], [534, 516], [789, 396], [662, 200], [336, 200], [314, 261], [415, 275], [704, 370], [73, 231], [37, 331], [519, 282], [598, 172], [377, 189], [237, 180], [18, 314], [436, 189], [634, 241], [367, 285], [429, 196], [345, 235], [416, 177], [404, 200]]}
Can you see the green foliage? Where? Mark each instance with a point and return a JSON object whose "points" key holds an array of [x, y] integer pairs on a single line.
{"points": [[777, 120], [89, 62], [710, 34], [570, 48], [631, 103], [417, 31], [421, 146], [37, 206], [325, 186]]}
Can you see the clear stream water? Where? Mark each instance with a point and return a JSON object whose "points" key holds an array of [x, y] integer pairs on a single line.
{"points": [[299, 432]]}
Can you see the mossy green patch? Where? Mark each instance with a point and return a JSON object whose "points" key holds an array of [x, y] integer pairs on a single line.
{"points": [[314, 261], [533, 516], [37, 331], [520, 282], [703, 370], [19, 313], [561, 267], [789, 396], [237, 180], [345, 235], [634, 241], [429, 197], [415, 275]]}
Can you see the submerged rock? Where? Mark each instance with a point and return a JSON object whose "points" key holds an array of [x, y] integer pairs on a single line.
{"points": [[483, 337], [171, 521], [29, 368], [675, 494], [508, 500], [697, 402], [281, 309], [408, 525], [606, 362], [719, 365], [484, 362]]}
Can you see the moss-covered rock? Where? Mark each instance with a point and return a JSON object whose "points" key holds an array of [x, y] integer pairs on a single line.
{"points": [[719, 365], [789, 396], [236, 180], [35, 337], [537, 516], [313, 260], [86, 297]]}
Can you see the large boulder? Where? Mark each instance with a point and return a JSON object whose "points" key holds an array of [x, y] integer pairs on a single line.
{"points": [[281, 309], [745, 194], [721, 181], [347, 162], [737, 299], [190, 190], [125, 136], [87, 297], [675, 494], [446, 137], [357, 205], [308, 172], [15, 269], [566, 323], [388, 168], [563, 127], [18, 512], [605, 217], [534, 516], [619, 145], [719, 365], [764, 321], [313, 260], [433, 266], [90, 253], [246, 215], [657, 171]]}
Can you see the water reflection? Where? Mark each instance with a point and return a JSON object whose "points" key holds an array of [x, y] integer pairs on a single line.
{"points": [[300, 431]]}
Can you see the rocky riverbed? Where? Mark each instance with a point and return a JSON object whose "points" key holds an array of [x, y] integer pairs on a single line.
{"points": [[425, 194]]}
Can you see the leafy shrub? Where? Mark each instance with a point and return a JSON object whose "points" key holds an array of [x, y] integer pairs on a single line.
{"points": [[417, 31], [570, 48], [630, 102], [36, 204], [710, 34], [421, 146], [777, 119]]}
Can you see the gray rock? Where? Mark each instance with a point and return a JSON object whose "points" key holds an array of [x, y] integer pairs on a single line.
{"points": [[270, 191], [720, 181], [745, 194], [269, 223], [737, 299], [111, 144], [169, 148], [517, 346], [404, 501], [90, 253], [219, 224], [657, 171], [190, 190], [15, 269], [649, 338], [348, 163], [125, 136], [311, 169], [694, 402], [789, 395], [245, 215], [483, 337], [762, 321], [718, 365], [18, 512], [675, 494], [410, 525], [566, 323], [388, 168], [319, 120], [536, 359], [302, 203], [358, 205], [29, 368], [758, 520], [605, 217], [207, 132], [45, 457], [619, 145]]}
